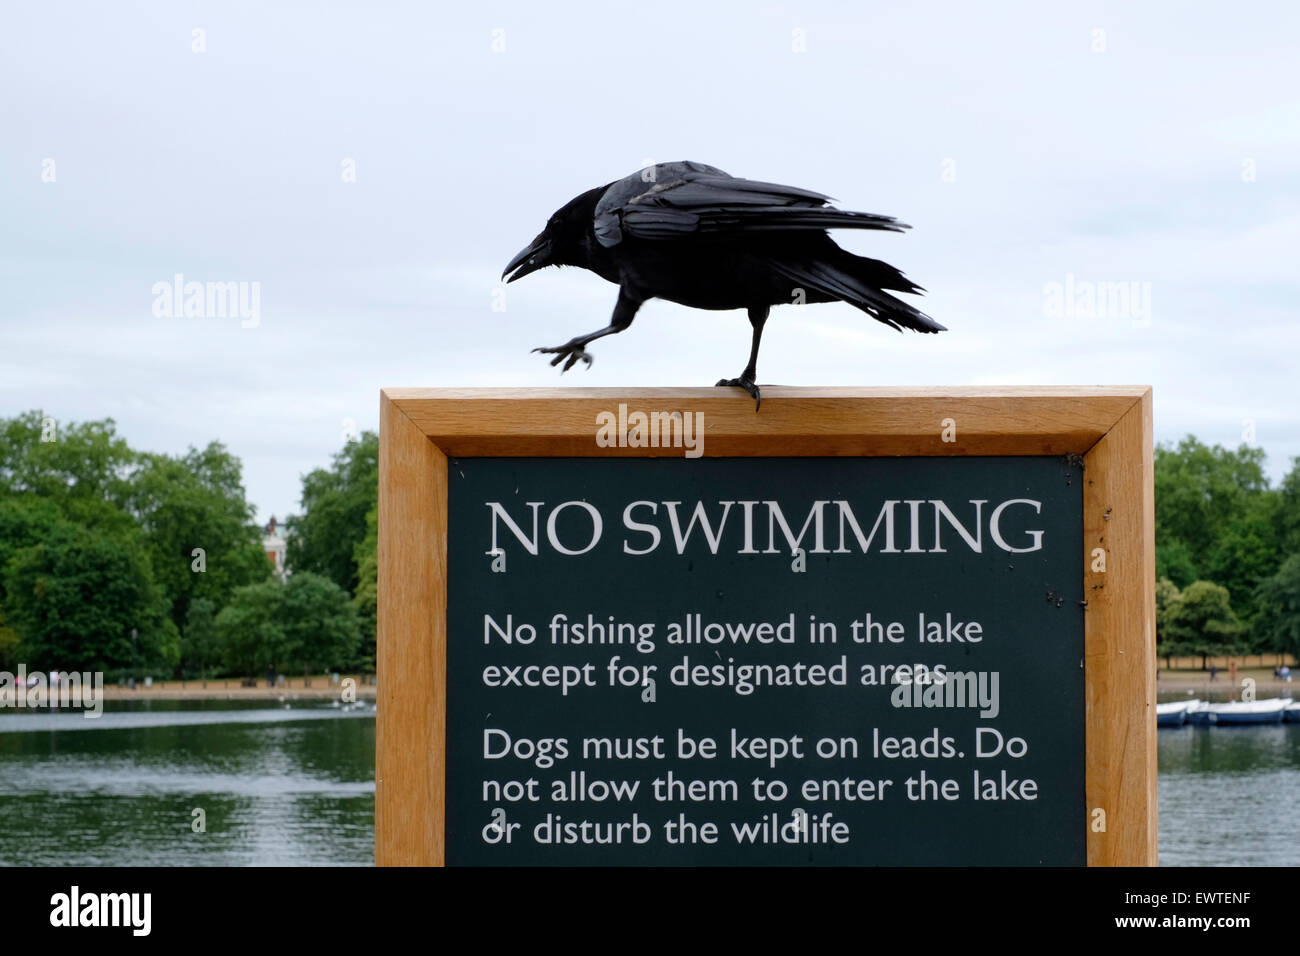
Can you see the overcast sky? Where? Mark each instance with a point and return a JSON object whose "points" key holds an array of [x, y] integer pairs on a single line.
{"points": [[374, 166]]}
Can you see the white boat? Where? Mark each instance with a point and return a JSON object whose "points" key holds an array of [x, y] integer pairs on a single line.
{"points": [[1176, 713], [1292, 713], [1268, 711]]}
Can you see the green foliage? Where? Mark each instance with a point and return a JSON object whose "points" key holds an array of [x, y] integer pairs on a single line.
{"points": [[1217, 519], [1287, 512], [202, 540], [1174, 562], [1245, 555], [336, 501], [85, 601], [200, 649], [320, 624], [25, 520], [366, 599], [10, 656], [1167, 595], [1202, 491], [1278, 620], [62, 462], [79, 495], [249, 629], [306, 625], [1202, 622]]}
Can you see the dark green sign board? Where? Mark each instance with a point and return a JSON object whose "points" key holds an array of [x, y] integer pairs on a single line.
{"points": [[720, 661]]}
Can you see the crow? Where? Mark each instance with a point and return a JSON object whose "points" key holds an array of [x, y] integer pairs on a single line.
{"points": [[692, 234]]}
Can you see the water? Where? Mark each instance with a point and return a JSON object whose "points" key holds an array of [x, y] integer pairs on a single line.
{"points": [[278, 786], [296, 787], [1229, 796]]}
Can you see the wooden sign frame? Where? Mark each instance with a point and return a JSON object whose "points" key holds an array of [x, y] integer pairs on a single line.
{"points": [[1109, 427]]}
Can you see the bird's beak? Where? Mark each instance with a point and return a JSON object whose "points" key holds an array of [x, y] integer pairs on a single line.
{"points": [[536, 256]]}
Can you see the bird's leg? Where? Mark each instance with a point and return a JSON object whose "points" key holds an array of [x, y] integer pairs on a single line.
{"points": [[757, 316], [574, 349]]}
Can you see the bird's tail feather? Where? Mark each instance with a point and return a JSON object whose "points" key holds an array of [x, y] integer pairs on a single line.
{"points": [[860, 282]]}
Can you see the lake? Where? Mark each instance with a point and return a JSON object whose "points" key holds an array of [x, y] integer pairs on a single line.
{"points": [[1229, 796], [293, 784], [279, 785]]}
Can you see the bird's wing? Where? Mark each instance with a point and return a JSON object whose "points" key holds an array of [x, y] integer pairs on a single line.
{"points": [[679, 200]]}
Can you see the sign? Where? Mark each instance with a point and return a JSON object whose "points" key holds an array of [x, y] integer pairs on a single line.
{"points": [[765, 645]]}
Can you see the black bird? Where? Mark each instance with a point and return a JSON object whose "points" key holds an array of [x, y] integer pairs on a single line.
{"points": [[692, 234]]}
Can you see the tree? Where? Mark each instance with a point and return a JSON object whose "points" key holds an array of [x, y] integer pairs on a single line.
{"points": [[1202, 622], [25, 520], [100, 539], [1167, 595], [307, 625], [10, 656], [1288, 510], [1201, 490], [1245, 555], [250, 631], [1216, 518], [200, 649], [366, 600], [82, 600], [335, 502], [202, 540], [1278, 598], [319, 622], [62, 462], [1174, 562]]}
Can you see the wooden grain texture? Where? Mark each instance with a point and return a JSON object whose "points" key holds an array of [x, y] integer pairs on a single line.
{"points": [[411, 715], [1120, 654], [791, 422]]}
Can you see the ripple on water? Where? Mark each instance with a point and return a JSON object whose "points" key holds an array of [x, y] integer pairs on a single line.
{"points": [[276, 787], [1229, 796]]}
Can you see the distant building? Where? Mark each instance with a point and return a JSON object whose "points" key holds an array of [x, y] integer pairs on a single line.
{"points": [[273, 544]]}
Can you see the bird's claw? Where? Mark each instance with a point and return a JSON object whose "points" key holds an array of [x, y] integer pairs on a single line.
{"points": [[572, 352], [747, 385]]}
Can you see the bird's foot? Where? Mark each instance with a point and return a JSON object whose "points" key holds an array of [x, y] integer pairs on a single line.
{"points": [[569, 350], [745, 383]]}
